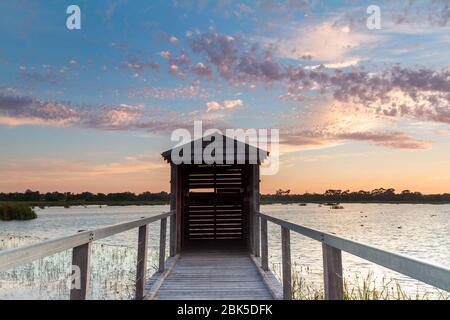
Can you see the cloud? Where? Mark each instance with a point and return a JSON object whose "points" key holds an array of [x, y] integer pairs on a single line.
{"points": [[326, 42], [371, 99], [48, 74], [173, 40], [231, 104], [165, 54], [338, 65], [138, 67], [227, 104], [433, 13], [202, 71], [15, 111], [236, 60], [312, 139], [247, 64], [44, 75], [332, 122], [394, 139], [191, 91], [443, 133], [119, 45], [425, 92], [213, 105]]}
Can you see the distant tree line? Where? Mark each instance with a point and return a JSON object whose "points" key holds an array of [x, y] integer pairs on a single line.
{"points": [[36, 196], [376, 195]]}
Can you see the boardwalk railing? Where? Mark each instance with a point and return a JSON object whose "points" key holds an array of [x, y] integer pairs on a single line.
{"points": [[332, 246], [80, 244]]}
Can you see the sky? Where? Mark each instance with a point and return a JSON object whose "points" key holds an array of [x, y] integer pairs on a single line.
{"points": [[356, 107]]}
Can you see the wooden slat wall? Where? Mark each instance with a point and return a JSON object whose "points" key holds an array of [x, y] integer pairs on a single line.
{"points": [[217, 214]]}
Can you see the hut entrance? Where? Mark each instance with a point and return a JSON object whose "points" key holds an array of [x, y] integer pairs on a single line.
{"points": [[215, 207], [215, 202]]}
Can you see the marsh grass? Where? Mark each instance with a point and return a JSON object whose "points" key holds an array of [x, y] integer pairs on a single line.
{"points": [[112, 274], [356, 287], [12, 211]]}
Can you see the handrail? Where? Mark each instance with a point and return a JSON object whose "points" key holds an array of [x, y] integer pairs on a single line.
{"points": [[12, 258], [433, 274]]}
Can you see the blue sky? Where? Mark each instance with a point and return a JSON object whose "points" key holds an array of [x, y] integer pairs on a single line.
{"points": [[92, 109]]}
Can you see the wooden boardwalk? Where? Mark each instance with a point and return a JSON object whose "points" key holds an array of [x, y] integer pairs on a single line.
{"points": [[214, 274]]}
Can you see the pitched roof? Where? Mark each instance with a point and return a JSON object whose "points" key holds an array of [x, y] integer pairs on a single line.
{"points": [[240, 152]]}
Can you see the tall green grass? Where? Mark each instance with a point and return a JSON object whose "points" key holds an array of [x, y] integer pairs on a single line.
{"points": [[10, 211]]}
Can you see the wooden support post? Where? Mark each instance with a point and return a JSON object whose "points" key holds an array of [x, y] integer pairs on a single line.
{"points": [[251, 232], [286, 263], [141, 266], [332, 273], [179, 209], [173, 207], [254, 209], [257, 236], [172, 236], [162, 244], [264, 246], [80, 271]]}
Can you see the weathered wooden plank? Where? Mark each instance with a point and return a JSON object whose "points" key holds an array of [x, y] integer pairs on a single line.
{"points": [[214, 274], [430, 273], [332, 273], [141, 266], [274, 286], [80, 271], [12, 258], [157, 279], [18, 256], [286, 263], [122, 227], [162, 244]]}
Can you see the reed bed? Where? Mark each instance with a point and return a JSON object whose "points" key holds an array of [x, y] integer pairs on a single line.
{"points": [[113, 271], [356, 287], [11, 211]]}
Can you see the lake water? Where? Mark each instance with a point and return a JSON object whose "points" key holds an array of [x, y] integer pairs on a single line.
{"points": [[421, 231]]}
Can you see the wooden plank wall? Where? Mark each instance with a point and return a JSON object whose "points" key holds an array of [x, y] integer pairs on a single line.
{"points": [[217, 212]]}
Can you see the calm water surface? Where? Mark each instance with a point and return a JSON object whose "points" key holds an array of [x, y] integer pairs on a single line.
{"points": [[421, 231]]}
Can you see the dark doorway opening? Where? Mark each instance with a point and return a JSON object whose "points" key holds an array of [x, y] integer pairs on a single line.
{"points": [[215, 210]]}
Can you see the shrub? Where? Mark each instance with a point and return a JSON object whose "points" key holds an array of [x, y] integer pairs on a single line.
{"points": [[10, 212]]}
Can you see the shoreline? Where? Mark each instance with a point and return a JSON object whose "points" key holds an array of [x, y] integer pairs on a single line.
{"points": [[155, 203]]}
